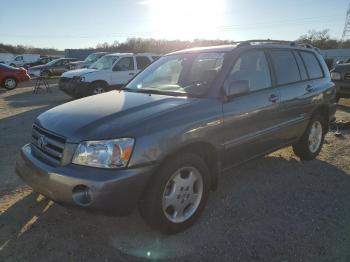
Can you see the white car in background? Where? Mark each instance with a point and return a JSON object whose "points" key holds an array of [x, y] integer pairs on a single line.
{"points": [[89, 60], [20, 60], [109, 72]]}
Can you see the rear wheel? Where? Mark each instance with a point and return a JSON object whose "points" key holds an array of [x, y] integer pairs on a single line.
{"points": [[9, 83], [177, 195], [310, 145]]}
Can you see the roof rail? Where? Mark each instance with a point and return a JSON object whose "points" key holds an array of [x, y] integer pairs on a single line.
{"points": [[269, 41]]}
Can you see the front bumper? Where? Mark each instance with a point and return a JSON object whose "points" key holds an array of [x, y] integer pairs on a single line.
{"points": [[343, 88], [73, 88], [111, 191]]}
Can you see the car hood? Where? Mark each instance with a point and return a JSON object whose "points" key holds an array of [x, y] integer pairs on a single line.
{"points": [[78, 72], [107, 116], [38, 67], [342, 68]]}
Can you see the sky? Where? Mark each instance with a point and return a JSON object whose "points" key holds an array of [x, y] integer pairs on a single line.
{"points": [[85, 23]]}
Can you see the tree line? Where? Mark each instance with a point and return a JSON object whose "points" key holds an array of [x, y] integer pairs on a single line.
{"points": [[320, 39]]}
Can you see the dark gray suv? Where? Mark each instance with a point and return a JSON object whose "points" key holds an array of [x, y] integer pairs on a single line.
{"points": [[162, 142]]}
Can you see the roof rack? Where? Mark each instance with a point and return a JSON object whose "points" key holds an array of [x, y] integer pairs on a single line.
{"points": [[269, 41]]}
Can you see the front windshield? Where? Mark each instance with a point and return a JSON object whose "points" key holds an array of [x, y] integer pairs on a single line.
{"points": [[105, 62], [53, 62], [190, 74]]}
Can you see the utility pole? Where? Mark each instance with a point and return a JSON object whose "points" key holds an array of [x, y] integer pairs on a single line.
{"points": [[346, 31]]}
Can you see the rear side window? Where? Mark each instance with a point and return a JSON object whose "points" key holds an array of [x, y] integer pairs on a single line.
{"points": [[312, 65], [301, 65], [285, 66], [142, 62], [252, 66]]}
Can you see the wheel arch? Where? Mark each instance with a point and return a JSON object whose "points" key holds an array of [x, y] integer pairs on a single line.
{"points": [[207, 152], [322, 110]]}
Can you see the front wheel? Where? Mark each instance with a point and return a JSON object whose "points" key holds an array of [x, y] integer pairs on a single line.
{"points": [[310, 145], [177, 195], [97, 88], [10, 83]]}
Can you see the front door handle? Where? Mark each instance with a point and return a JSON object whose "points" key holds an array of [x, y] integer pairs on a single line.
{"points": [[309, 88], [273, 98]]}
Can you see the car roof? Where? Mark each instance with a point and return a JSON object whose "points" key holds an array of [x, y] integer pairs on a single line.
{"points": [[251, 44]]}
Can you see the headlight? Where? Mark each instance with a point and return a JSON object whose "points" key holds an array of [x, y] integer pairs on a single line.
{"points": [[104, 154], [79, 78], [336, 76]]}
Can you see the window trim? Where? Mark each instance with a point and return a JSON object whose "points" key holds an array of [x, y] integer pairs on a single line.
{"points": [[271, 73], [318, 61]]}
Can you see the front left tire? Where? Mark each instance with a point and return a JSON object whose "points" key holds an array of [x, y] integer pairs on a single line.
{"points": [[177, 194], [10, 83]]}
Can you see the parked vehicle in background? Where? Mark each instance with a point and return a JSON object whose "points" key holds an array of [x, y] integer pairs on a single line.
{"points": [[92, 58], [42, 61], [6, 57], [20, 60], [340, 74], [11, 76], [109, 72], [162, 141], [55, 67]]}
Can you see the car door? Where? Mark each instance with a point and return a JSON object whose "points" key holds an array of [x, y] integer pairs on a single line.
{"points": [[123, 70], [251, 119], [296, 92]]}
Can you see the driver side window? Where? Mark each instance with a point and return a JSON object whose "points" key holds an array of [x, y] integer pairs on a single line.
{"points": [[124, 64], [253, 68]]}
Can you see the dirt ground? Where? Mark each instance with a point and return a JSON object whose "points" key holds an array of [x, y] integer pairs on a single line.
{"points": [[271, 209]]}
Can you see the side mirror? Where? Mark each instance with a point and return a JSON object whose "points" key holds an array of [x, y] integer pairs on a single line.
{"points": [[236, 87], [339, 62]]}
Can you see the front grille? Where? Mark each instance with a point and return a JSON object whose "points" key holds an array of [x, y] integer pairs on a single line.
{"points": [[47, 144], [347, 76]]}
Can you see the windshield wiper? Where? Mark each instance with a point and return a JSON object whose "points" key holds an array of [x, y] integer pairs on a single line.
{"points": [[155, 91]]}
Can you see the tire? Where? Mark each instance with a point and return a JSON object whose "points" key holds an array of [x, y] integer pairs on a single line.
{"points": [[97, 88], [46, 74], [10, 83], [309, 146], [174, 179]]}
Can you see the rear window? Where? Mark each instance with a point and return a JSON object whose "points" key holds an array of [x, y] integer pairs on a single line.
{"points": [[142, 62], [312, 65], [285, 66]]}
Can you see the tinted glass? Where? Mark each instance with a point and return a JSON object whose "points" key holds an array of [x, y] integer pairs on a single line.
{"points": [[285, 66], [301, 66], [312, 65], [124, 64], [142, 62], [253, 67]]}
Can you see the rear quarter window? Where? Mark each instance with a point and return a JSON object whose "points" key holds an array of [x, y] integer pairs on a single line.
{"points": [[312, 64], [285, 67]]}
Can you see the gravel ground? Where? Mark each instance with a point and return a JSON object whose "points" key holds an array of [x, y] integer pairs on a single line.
{"points": [[275, 208]]}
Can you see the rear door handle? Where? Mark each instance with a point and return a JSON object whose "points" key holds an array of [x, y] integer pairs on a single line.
{"points": [[309, 88], [273, 98], [131, 74]]}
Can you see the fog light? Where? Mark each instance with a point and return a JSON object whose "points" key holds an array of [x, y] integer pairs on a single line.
{"points": [[81, 195]]}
